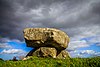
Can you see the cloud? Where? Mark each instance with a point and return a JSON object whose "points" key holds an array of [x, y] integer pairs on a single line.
{"points": [[73, 45], [90, 52], [97, 54], [83, 31], [84, 53], [12, 51], [83, 37], [5, 40], [62, 14], [93, 40], [98, 44], [2, 40], [74, 53], [5, 45]]}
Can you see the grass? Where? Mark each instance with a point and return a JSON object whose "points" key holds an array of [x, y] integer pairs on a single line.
{"points": [[50, 62]]}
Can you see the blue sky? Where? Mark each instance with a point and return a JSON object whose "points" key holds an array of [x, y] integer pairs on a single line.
{"points": [[12, 48], [85, 47]]}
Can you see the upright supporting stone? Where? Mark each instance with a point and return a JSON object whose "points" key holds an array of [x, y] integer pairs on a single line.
{"points": [[63, 54], [43, 52]]}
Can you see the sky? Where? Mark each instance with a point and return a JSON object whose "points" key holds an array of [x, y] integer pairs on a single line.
{"points": [[80, 19]]}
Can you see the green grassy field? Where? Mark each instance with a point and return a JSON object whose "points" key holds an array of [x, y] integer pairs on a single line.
{"points": [[49, 62]]}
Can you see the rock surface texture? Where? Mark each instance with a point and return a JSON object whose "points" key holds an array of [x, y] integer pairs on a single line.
{"points": [[43, 52], [63, 54], [48, 42]]}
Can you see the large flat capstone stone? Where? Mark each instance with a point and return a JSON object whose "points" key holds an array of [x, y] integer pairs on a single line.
{"points": [[46, 37]]}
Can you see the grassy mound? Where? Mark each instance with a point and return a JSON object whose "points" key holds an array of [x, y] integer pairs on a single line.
{"points": [[49, 62]]}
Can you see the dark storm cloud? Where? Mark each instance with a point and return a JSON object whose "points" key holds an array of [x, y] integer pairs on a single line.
{"points": [[96, 8], [6, 17], [15, 15]]}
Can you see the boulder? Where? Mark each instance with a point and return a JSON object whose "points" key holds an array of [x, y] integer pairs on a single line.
{"points": [[43, 52], [46, 37], [63, 54]]}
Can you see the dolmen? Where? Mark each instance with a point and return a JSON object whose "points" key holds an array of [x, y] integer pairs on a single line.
{"points": [[46, 42]]}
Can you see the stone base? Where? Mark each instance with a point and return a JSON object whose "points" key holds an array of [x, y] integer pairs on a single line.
{"points": [[48, 52], [63, 54], [43, 52]]}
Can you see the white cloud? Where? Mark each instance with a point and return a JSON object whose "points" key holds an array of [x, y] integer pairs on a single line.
{"points": [[98, 44], [12, 51], [5, 45], [73, 45], [76, 53], [16, 40], [83, 37], [97, 54], [88, 52], [5, 40], [94, 39], [84, 53]]}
